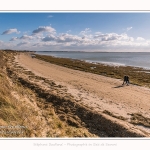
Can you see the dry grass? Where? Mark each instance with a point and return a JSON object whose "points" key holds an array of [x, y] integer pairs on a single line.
{"points": [[22, 112], [11, 112]]}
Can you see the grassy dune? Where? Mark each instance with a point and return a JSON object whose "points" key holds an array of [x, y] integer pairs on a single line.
{"points": [[138, 76], [18, 116], [9, 109]]}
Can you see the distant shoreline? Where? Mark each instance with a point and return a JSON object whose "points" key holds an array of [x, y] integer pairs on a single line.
{"points": [[138, 76], [132, 59]]}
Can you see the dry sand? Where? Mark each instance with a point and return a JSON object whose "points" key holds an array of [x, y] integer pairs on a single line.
{"points": [[97, 92]]}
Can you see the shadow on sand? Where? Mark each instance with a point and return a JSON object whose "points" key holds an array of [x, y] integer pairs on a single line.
{"points": [[119, 86]]}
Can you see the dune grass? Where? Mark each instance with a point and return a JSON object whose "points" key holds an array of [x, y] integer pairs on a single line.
{"points": [[22, 112], [13, 113]]}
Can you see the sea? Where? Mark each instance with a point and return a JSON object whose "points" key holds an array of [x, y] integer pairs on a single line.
{"points": [[134, 59]]}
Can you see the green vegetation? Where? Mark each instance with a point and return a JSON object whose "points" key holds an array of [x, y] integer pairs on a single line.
{"points": [[138, 76]]}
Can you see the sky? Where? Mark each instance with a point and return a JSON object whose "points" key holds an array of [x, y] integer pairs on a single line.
{"points": [[75, 31]]}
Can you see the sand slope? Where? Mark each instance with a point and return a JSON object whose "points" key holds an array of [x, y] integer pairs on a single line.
{"points": [[97, 92]]}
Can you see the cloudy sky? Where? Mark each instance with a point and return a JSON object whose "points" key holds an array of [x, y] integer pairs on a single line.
{"points": [[80, 31]]}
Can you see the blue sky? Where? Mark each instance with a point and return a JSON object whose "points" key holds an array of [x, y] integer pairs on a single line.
{"points": [[85, 31]]}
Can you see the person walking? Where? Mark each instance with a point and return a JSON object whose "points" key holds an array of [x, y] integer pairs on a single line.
{"points": [[126, 80]]}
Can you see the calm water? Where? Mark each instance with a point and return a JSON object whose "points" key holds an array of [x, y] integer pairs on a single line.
{"points": [[137, 59]]}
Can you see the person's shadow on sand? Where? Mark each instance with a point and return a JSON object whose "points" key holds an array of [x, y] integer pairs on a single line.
{"points": [[118, 86]]}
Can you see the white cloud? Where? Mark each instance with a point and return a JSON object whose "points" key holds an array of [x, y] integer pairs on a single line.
{"points": [[10, 31], [49, 38], [68, 38], [26, 37], [22, 43], [86, 31], [107, 36], [100, 40], [82, 41], [7, 45], [140, 39], [125, 37], [14, 39], [110, 37], [62, 38], [129, 28], [98, 32], [42, 29]]}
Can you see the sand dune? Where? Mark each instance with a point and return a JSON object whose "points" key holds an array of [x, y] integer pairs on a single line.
{"points": [[99, 93]]}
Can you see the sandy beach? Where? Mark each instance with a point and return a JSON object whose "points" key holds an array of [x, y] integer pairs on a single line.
{"points": [[99, 93]]}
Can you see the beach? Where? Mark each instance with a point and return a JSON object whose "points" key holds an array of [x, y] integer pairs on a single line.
{"points": [[100, 94]]}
